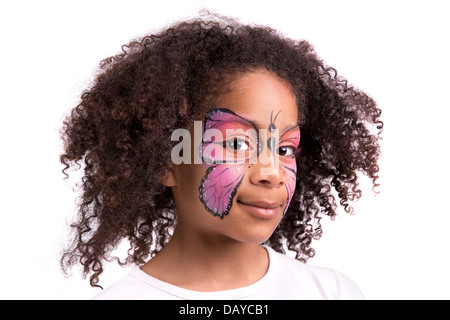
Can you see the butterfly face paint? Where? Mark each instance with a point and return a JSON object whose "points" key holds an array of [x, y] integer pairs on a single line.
{"points": [[224, 159], [287, 160], [230, 142]]}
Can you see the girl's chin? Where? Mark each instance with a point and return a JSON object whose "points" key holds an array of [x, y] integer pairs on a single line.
{"points": [[248, 231]]}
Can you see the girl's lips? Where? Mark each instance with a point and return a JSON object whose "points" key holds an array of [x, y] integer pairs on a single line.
{"points": [[261, 209]]}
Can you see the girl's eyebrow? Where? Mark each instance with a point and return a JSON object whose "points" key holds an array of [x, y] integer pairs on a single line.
{"points": [[236, 118], [290, 128]]}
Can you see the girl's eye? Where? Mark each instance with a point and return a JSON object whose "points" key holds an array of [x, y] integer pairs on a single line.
{"points": [[236, 144], [286, 151]]}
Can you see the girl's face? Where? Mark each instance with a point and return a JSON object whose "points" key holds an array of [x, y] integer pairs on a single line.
{"points": [[247, 176]]}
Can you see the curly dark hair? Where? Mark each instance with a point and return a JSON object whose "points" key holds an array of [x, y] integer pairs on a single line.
{"points": [[123, 124]]}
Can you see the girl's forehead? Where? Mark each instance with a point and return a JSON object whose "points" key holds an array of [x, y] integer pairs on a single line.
{"points": [[262, 98]]}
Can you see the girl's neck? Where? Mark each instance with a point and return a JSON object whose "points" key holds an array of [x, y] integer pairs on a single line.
{"points": [[205, 263]]}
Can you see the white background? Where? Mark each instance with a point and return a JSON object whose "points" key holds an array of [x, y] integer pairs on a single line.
{"points": [[397, 244]]}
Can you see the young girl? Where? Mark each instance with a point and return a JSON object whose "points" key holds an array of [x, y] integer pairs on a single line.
{"points": [[214, 147]]}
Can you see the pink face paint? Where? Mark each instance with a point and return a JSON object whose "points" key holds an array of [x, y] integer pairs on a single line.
{"points": [[228, 138], [289, 141], [226, 155], [225, 167]]}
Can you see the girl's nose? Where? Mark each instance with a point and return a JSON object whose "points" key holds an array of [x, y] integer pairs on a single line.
{"points": [[268, 175]]}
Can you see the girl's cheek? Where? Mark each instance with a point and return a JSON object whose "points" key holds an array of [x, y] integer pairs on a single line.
{"points": [[219, 186], [290, 170]]}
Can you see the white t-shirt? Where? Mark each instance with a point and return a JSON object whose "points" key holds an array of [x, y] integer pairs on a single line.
{"points": [[286, 279]]}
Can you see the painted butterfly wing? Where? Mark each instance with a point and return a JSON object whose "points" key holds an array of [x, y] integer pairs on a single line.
{"points": [[290, 138], [219, 124], [219, 187], [223, 175], [291, 175], [216, 118]]}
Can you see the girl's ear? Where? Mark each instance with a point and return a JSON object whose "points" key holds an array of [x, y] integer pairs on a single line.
{"points": [[169, 178]]}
